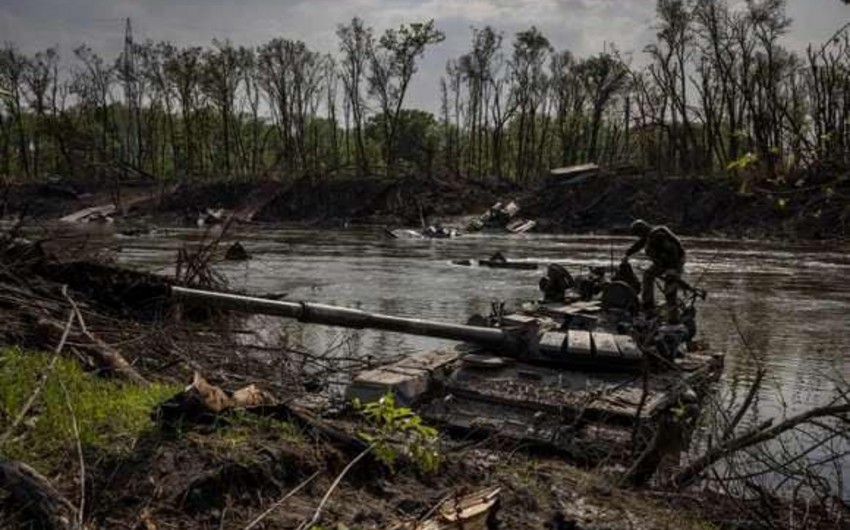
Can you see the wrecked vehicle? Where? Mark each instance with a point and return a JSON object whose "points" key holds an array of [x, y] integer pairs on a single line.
{"points": [[502, 217], [429, 232], [585, 373]]}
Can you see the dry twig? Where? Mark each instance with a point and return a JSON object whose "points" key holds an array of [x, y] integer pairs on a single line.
{"points": [[277, 504], [318, 514]]}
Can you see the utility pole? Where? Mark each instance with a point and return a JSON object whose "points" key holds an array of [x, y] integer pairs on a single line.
{"points": [[131, 96]]}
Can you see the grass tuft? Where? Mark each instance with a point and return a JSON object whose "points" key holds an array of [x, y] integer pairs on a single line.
{"points": [[110, 414]]}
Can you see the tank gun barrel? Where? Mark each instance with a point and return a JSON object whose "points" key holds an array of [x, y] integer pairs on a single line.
{"points": [[313, 313], [604, 351]]}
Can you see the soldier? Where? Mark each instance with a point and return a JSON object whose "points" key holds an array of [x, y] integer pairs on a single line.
{"points": [[665, 251], [555, 284]]}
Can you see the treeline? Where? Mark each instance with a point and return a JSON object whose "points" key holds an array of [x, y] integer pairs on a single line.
{"points": [[718, 94]]}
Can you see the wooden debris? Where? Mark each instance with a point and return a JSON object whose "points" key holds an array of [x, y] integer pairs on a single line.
{"points": [[470, 512]]}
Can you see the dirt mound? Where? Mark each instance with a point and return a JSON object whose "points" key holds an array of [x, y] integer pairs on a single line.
{"points": [[378, 199], [691, 206]]}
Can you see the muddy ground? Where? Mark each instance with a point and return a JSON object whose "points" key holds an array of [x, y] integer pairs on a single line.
{"points": [[607, 203]]}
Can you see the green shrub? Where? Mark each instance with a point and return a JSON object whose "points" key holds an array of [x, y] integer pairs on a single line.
{"points": [[395, 430]]}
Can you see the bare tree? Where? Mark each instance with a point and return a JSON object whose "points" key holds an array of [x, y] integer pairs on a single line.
{"points": [[40, 77], [13, 66], [356, 43], [603, 76], [531, 50], [222, 75]]}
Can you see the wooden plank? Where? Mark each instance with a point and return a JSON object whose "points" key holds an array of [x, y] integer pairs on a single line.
{"points": [[517, 319], [434, 359], [406, 383]]}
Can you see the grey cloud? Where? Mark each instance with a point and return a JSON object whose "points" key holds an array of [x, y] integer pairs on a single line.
{"points": [[583, 26]]}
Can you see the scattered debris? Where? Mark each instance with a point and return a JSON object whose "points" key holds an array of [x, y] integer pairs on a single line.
{"points": [[498, 261], [573, 174], [475, 511], [211, 216], [520, 226], [502, 217], [430, 232], [94, 214], [202, 401]]}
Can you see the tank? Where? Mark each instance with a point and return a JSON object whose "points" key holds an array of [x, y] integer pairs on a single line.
{"points": [[582, 371]]}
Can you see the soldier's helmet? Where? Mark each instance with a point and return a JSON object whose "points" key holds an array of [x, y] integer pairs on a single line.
{"points": [[640, 227]]}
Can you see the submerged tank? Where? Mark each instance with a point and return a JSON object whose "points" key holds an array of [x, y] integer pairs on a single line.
{"points": [[581, 371]]}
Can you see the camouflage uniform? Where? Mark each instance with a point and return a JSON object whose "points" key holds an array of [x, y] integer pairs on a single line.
{"points": [[555, 284], [667, 255]]}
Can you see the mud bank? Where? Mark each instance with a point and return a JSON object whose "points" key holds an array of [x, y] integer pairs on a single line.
{"points": [[603, 204], [692, 206]]}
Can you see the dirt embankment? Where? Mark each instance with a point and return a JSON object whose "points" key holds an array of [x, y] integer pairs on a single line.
{"points": [[608, 203], [692, 206]]}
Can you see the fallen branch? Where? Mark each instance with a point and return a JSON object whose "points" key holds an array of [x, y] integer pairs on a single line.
{"points": [[104, 355], [763, 433]]}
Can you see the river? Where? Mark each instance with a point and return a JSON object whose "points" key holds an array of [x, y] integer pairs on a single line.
{"points": [[788, 301]]}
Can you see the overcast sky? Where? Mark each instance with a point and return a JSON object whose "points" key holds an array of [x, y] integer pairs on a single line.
{"points": [[583, 26]]}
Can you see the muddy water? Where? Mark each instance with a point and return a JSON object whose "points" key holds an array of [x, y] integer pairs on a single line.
{"points": [[790, 302]]}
